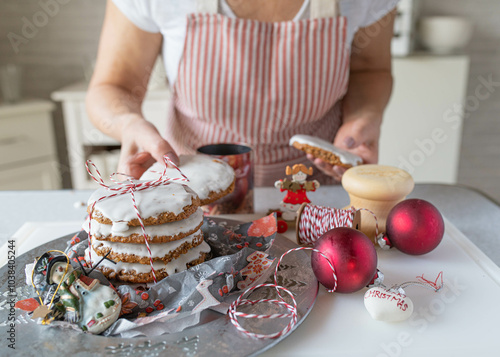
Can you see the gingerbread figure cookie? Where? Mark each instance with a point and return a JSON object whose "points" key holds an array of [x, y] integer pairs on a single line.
{"points": [[296, 190]]}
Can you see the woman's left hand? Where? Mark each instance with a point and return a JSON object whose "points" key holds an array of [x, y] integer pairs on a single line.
{"points": [[359, 136]]}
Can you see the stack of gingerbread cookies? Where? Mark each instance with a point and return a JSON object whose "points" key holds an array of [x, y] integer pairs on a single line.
{"points": [[172, 219]]}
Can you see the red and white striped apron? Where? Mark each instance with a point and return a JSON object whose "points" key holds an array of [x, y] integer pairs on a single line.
{"points": [[259, 83]]}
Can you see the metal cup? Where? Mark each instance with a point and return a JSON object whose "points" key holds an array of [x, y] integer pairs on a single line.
{"points": [[239, 157]]}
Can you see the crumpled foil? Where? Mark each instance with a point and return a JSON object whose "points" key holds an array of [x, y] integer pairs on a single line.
{"points": [[238, 261]]}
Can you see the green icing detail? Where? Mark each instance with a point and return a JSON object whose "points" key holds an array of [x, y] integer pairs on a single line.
{"points": [[84, 328], [109, 303], [99, 315]]}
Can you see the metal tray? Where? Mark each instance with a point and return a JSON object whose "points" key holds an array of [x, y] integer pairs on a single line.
{"points": [[213, 336]]}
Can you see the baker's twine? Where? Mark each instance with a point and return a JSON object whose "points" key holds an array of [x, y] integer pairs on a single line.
{"points": [[435, 285], [130, 185], [315, 221], [292, 308]]}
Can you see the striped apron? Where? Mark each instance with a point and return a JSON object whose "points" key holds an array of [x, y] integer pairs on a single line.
{"points": [[259, 83]]}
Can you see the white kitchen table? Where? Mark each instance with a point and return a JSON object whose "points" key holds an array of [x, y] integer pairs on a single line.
{"points": [[459, 321]]}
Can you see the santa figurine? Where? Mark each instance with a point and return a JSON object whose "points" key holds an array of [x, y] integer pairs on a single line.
{"points": [[296, 190]]}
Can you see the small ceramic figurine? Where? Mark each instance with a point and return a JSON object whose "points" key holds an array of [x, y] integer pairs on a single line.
{"points": [[296, 190], [82, 300]]}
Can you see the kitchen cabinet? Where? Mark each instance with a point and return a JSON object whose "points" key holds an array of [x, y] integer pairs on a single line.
{"points": [[28, 157], [419, 133]]}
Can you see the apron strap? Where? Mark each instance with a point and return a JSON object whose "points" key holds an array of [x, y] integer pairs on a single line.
{"points": [[207, 6], [324, 8]]}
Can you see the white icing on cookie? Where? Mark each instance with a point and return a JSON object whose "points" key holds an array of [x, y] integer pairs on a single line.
{"points": [[171, 267], [151, 202], [344, 156], [118, 227], [169, 229], [205, 174], [158, 250]]}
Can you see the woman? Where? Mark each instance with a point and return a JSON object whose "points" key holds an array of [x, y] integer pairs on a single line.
{"points": [[255, 71]]}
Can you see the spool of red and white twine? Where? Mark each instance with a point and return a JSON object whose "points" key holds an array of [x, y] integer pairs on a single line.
{"points": [[292, 308], [130, 185], [314, 221]]}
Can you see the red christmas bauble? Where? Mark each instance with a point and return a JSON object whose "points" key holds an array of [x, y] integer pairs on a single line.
{"points": [[415, 226], [353, 256]]}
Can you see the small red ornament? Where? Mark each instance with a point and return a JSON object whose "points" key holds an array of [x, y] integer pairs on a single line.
{"points": [[415, 226], [353, 256]]}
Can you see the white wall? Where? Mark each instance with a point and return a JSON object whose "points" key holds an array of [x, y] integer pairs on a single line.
{"points": [[480, 151], [55, 56], [54, 53]]}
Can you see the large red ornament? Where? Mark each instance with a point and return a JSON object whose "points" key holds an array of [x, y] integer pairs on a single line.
{"points": [[352, 255], [415, 226]]}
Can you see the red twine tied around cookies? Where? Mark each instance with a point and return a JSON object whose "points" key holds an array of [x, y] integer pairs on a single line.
{"points": [[130, 185], [314, 221], [292, 308]]}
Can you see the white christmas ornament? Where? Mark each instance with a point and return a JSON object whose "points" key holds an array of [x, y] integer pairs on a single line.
{"points": [[387, 305]]}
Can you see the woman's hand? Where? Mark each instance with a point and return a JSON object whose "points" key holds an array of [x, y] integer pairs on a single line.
{"points": [[359, 136], [142, 145], [370, 85]]}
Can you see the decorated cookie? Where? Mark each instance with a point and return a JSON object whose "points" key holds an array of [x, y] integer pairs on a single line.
{"points": [[295, 190], [157, 205], [141, 273], [325, 150], [138, 253], [81, 300], [210, 178], [101, 304], [160, 233]]}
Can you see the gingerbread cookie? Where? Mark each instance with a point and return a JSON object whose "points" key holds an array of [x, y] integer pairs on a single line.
{"points": [[141, 273], [325, 151], [138, 253], [160, 233], [210, 178], [157, 205]]}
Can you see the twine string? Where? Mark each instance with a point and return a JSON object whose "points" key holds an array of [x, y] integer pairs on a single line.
{"points": [[292, 308], [130, 186], [435, 285], [314, 221]]}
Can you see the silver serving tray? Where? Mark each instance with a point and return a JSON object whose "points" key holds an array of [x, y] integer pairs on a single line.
{"points": [[213, 336]]}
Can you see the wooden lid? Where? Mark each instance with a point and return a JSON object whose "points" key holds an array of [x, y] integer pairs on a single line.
{"points": [[377, 182]]}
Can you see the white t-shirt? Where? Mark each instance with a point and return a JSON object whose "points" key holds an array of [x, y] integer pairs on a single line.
{"points": [[170, 16]]}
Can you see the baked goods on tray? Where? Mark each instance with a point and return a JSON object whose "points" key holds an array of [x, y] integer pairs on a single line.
{"points": [[325, 150], [172, 220], [210, 178]]}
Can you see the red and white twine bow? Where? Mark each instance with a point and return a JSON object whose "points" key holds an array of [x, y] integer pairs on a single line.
{"points": [[314, 221], [130, 185], [292, 308]]}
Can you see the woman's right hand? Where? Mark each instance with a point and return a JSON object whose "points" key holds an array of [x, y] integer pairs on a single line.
{"points": [[142, 145]]}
